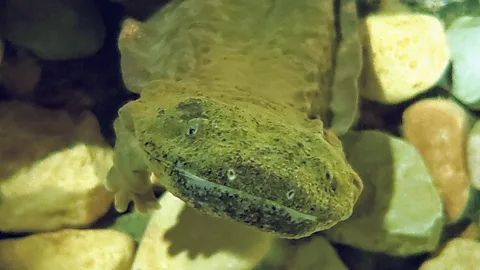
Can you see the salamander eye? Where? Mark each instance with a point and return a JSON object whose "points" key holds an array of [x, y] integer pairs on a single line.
{"points": [[192, 129], [290, 194], [231, 175]]}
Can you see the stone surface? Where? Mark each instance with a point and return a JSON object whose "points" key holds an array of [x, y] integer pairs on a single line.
{"points": [[473, 155], [315, 253], [464, 40], [20, 75], [404, 55], [459, 253], [68, 249], [438, 128], [55, 29], [399, 212], [181, 238], [52, 169]]}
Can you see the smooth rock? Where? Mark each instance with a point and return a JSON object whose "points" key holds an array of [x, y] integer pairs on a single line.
{"points": [[438, 128], [55, 29], [459, 253], [464, 41], [399, 212], [315, 253], [182, 238], [52, 169], [68, 250], [404, 55], [20, 75], [473, 155]]}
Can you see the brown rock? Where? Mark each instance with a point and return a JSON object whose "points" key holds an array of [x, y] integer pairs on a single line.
{"points": [[438, 128]]}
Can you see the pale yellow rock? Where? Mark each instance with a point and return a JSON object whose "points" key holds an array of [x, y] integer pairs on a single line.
{"points": [[458, 254], [68, 250], [404, 55], [181, 238], [52, 169], [316, 253]]}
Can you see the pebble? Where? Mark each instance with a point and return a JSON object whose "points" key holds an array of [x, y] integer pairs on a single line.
{"points": [[399, 211], [404, 55], [68, 250], [459, 253], [464, 40], [55, 29], [52, 169], [180, 237], [438, 128]]}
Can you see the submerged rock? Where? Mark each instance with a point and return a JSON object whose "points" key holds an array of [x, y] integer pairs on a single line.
{"points": [[464, 41], [459, 253], [404, 55], [438, 128], [52, 169], [180, 237], [315, 253], [55, 29], [399, 212], [473, 155], [68, 249]]}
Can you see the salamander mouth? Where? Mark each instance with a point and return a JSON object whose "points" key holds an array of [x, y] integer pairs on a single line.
{"points": [[252, 210]]}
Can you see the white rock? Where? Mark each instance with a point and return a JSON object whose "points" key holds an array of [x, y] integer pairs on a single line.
{"points": [[464, 41], [52, 169], [181, 238], [68, 250]]}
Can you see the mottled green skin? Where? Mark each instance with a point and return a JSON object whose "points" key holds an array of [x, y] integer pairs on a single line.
{"points": [[230, 115]]}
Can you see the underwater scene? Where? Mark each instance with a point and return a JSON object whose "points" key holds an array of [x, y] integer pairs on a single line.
{"points": [[239, 134]]}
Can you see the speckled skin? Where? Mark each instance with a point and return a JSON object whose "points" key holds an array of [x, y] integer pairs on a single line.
{"points": [[231, 136]]}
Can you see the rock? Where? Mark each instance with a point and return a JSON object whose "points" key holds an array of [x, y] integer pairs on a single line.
{"points": [[473, 155], [404, 55], [315, 253], [180, 237], [438, 128], [399, 212], [52, 169], [464, 40], [471, 232], [459, 253], [55, 29], [133, 224], [21, 75], [68, 249]]}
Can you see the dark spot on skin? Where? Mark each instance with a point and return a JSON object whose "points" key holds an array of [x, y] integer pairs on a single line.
{"points": [[334, 185], [328, 176]]}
